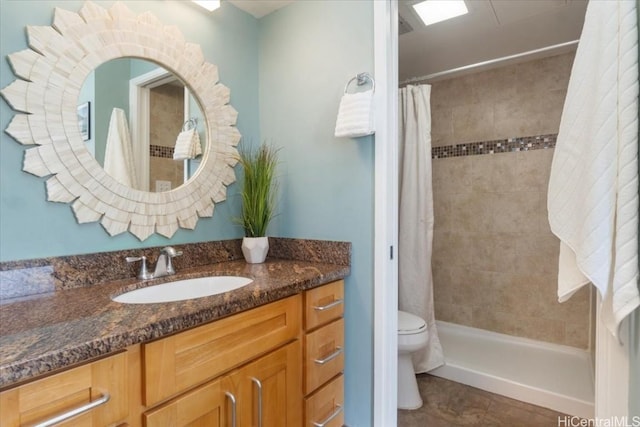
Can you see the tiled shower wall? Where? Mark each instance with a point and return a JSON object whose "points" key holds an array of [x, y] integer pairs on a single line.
{"points": [[494, 256]]}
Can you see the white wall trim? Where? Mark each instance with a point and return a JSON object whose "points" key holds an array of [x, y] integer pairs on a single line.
{"points": [[612, 370], [385, 353]]}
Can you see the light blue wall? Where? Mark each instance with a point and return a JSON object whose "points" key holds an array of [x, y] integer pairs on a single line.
{"points": [[31, 227], [308, 51]]}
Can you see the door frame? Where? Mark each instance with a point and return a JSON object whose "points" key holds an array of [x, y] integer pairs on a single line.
{"points": [[139, 105], [385, 340], [139, 96], [611, 368]]}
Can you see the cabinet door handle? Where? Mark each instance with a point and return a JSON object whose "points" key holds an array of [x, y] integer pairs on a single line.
{"points": [[76, 411], [232, 398], [259, 386], [330, 417], [328, 306], [330, 357]]}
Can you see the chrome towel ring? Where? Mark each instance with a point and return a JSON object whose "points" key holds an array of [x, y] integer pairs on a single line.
{"points": [[361, 79]]}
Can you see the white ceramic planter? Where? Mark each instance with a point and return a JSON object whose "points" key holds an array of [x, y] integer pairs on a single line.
{"points": [[255, 249]]}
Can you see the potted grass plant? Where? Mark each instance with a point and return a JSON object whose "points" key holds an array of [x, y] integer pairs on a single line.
{"points": [[258, 199]]}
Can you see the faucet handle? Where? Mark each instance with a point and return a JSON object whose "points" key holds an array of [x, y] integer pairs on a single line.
{"points": [[144, 272], [171, 252]]}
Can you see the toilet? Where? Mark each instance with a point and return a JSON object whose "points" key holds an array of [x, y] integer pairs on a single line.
{"points": [[412, 336]]}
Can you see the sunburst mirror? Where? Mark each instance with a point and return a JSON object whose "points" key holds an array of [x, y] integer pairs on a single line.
{"points": [[45, 95]]}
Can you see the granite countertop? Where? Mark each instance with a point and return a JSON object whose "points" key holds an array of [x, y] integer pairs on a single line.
{"points": [[47, 332]]}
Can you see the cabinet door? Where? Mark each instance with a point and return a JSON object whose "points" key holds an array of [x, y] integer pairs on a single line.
{"points": [[100, 386], [271, 389], [211, 405]]}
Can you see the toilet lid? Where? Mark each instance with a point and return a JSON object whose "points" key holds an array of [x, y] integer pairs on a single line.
{"points": [[408, 322]]}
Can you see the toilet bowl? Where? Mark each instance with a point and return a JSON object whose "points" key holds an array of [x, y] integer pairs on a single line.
{"points": [[412, 336]]}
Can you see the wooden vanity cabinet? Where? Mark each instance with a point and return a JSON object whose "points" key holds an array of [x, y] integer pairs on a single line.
{"points": [[324, 355], [277, 365], [103, 383], [246, 367]]}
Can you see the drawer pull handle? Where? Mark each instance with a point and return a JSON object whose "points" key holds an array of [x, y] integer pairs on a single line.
{"points": [[259, 385], [72, 413], [330, 417], [232, 398], [328, 306], [330, 357]]}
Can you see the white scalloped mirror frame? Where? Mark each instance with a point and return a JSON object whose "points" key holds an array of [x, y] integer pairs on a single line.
{"points": [[50, 76]]}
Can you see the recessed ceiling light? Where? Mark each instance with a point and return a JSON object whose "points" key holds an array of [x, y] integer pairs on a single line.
{"points": [[210, 5], [432, 11]]}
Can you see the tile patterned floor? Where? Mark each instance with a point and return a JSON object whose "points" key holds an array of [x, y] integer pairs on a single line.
{"points": [[447, 403]]}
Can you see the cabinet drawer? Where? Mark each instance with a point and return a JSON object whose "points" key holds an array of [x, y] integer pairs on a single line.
{"points": [[323, 304], [61, 393], [178, 362], [325, 407], [324, 355]]}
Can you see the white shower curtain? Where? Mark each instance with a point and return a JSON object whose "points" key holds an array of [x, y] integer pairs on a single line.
{"points": [[415, 293]]}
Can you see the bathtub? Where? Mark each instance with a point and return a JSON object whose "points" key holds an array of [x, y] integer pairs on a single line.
{"points": [[549, 375]]}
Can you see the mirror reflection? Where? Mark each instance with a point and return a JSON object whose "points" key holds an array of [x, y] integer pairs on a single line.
{"points": [[144, 127]]}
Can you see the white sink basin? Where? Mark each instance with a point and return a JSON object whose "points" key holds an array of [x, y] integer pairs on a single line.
{"points": [[181, 290]]}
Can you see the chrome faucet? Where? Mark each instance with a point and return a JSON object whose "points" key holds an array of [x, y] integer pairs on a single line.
{"points": [[164, 265]]}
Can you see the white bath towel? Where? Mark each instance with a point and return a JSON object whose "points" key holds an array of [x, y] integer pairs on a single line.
{"points": [[355, 115], [187, 145], [118, 156], [593, 188]]}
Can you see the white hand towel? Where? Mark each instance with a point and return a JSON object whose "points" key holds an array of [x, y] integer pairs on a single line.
{"points": [[593, 188], [118, 156], [355, 115], [187, 145]]}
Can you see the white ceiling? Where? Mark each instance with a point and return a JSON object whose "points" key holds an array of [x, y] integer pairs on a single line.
{"points": [[260, 8], [492, 29]]}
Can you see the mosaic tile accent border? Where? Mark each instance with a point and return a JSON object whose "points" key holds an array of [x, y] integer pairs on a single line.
{"points": [[526, 143], [161, 151]]}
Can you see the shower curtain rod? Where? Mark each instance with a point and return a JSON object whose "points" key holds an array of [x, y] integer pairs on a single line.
{"points": [[489, 62]]}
